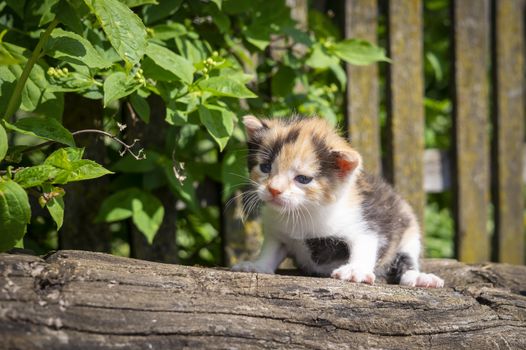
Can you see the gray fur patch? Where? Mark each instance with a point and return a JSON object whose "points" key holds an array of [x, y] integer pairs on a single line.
{"points": [[327, 250], [394, 271], [382, 210]]}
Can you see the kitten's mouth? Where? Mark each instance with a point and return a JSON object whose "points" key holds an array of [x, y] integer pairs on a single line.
{"points": [[276, 202]]}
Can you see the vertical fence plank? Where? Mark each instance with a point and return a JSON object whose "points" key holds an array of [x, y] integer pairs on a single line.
{"points": [[508, 129], [362, 115], [470, 111], [405, 101]]}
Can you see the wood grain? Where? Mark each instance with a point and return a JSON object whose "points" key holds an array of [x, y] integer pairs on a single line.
{"points": [[86, 300], [362, 114], [508, 129], [470, 111], [405, 102]]}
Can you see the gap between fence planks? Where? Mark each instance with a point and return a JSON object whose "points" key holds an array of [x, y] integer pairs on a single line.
{"points": [[85, 300]]}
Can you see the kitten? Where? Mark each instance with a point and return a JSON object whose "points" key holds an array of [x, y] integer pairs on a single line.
{"points": [[324, 211]]}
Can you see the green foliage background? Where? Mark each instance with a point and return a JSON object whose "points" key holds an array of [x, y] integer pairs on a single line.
{"points": [[205, 63]]}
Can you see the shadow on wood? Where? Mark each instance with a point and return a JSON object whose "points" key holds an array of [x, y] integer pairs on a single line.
{"points": [[74, 299]]}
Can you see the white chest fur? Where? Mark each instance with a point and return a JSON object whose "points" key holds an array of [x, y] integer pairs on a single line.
{"points": [[339, 221]]}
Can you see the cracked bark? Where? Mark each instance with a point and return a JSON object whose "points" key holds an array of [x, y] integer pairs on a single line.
{"points": [[93, 300]]}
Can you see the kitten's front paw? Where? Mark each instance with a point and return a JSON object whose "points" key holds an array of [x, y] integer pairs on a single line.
{"points": [[249, 266], [421, 279], [353, 274]]}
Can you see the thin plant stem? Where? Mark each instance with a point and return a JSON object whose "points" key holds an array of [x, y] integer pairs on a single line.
{"points": [[14, 101]]}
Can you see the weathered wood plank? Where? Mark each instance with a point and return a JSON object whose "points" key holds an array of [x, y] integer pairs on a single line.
{"points": [[470, 113], [508, 129], [85, 300], [405, 101], [362, 114]]}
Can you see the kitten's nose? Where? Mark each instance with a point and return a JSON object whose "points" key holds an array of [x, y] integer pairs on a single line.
{"points": [[274, 192]]}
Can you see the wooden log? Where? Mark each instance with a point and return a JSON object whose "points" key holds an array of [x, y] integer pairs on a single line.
{"points": [[406, 102], [508, 129], [470, 111], [362, 114], [81, 300]]}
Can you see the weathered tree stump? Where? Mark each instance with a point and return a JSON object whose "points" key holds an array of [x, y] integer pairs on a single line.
{"points": [[77, 300]]}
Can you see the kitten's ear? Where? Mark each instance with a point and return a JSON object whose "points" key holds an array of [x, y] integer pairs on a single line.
{"points": [[253, 125], [347, 161]]}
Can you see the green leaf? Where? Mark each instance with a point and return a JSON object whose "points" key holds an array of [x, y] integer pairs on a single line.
{"points": [[73, 48], [168, 31], [44, 128], [124, 29], [116, 207], [72, 167], [225, 86], [320, 59], [63, 157], [84, 169], [55, 205], [56, 209], [141, 106], [148, 214], [118, 85], [146, 210], [234, 171], [3, 142], [6, 58], [36, 175], [70, 16], [15, 213], [34, 93], [46, 11], [218, 3], [358, 52], [171, 61], [166, 8], [219, 122]]}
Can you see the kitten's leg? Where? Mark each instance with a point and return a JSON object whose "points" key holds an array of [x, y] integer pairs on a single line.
{"points": [[408, 262], [272, 254], [360, 267]]}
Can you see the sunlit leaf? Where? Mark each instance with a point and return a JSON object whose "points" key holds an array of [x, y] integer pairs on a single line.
{"points": [[119, 85], [73, 48], [219, 122], [3, 142], [172, 62], [225, 86], [358, 52], [15, 213], [124, 29]]}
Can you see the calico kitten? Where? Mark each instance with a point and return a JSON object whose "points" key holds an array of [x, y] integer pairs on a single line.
{"points": [[324, 211]]}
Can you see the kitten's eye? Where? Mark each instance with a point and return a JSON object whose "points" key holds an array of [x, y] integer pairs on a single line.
{"points": [[265, 168], [302, 179]]}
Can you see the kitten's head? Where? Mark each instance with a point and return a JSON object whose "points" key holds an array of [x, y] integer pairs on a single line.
{"points": [[298, 162]]}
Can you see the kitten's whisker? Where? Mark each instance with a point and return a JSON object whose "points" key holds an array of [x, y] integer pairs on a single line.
{"points": [[231, 200]]}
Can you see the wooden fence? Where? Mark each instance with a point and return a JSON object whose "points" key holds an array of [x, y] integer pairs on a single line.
{"points": [[485, 164]]}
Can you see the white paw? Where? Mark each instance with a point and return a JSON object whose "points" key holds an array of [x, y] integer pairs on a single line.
{"points": [[249, 266], [353, 274], [420, 279]]}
